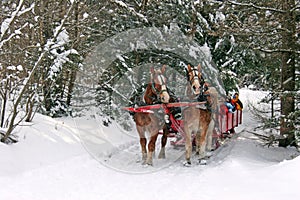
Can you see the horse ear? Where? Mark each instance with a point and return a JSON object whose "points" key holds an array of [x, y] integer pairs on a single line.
{"points": [[163, 69], [200, 74], [189, 67], [199, 68]]}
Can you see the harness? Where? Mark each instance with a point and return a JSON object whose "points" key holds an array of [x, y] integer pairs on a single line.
{"points": [[202, 96], [195, 70], [155, 91]]}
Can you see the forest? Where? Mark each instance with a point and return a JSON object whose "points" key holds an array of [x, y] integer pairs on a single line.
{"points": [[59, 57]]}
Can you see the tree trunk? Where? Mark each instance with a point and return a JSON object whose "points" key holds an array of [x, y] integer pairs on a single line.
{"points": [[3, 107], [288, 74], [29, 108], [11, 124], [73, 70], [71, 85], [4, 99]]}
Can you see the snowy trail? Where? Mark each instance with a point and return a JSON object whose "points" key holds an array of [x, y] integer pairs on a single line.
{"points": [[50, 162]]}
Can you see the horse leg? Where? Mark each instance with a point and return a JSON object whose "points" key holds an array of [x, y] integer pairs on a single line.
{"points": [[162, 153], [188, 145], [143, 143], [210, 130], [204, 121], [151, 148], [198, 141], [202, 145]]}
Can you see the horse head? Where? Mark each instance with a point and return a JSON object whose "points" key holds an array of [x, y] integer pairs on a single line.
{"points": [[194, 77], [158, 84]]}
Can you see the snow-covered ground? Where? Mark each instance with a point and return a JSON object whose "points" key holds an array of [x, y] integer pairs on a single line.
{"points": [[60, 159]]}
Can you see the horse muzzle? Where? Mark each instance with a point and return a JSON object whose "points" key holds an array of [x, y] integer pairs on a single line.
{"points": [[164, 97], [196, 90]]}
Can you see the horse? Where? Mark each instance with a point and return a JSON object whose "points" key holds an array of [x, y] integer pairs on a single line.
{"points": [[156, 92], [196, 120]]}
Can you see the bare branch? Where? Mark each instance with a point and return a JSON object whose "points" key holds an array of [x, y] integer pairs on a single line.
{"points": [[121, 3], [47, 47], [8, 21], [276, 50], [10, 138], [268, 140], [256, 6]]}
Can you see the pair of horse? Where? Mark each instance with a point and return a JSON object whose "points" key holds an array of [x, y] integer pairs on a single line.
{"points": [[195, 120]]}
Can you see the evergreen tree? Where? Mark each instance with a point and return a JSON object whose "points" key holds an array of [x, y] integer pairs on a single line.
{"points": [[270, 27]]}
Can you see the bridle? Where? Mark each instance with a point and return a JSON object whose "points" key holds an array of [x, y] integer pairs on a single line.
{"points": [[194, 75], [158, 86], [161, 83]]}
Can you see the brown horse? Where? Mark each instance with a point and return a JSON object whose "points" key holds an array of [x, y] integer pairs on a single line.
{"points": [[196, 120], [156, 92]]}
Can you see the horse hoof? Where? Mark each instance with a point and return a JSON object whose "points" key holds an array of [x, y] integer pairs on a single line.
{"points": [[149, 163], [161, 156], [187, 164], [202, 162]]}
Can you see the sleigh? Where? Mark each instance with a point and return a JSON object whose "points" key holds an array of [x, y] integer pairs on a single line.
{"points": [[226, 121]]}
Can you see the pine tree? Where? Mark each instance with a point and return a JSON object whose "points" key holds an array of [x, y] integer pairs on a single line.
{"points": [[270, 27], [289, 47]]}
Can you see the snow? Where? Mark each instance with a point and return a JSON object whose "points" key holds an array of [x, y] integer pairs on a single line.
{"points": [[51, 161], [227, 63], [218, 43], [19, 68], [25, 10], [63, 37], [85, 15], [220, 16], [12, 67]]}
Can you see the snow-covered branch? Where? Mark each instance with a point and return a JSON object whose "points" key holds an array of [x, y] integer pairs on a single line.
{"points": [[17, 32], [256, 6], [8, 21], [58, 29], [49, 43], [130, 9], [54, 41], [276, 50]]}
